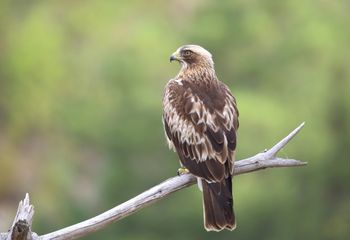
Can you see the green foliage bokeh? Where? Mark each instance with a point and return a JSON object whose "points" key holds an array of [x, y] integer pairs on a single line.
{"points": [[81, 85]]}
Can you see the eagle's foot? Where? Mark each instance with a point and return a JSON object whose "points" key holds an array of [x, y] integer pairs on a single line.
{"points": [[182, 171]]}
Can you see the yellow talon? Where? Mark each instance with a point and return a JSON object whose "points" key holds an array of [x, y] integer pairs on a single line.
{"points": [[182, 170]]}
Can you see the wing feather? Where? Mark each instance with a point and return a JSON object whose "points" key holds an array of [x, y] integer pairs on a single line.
{"points": [[201, 128], [216, 139]]}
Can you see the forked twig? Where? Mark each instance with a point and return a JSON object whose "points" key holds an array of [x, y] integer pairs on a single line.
{"points": [[267, 159]]}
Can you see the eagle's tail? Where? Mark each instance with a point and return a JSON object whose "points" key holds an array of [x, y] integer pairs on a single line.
{"points": [[218, 205]]}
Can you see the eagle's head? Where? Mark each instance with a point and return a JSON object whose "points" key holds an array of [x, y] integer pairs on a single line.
{"points": [[193, 56]]}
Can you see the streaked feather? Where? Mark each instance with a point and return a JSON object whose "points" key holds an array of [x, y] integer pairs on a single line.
{"points": [[200, 119]]}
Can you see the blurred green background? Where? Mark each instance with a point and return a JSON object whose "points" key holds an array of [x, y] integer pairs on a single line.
{"points": [[81, 84]]}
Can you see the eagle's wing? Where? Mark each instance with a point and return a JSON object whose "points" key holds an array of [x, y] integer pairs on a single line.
{"points": [[200, 125]]}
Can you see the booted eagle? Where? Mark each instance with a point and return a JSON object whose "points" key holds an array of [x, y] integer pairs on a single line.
{"points": [[201, 119]]}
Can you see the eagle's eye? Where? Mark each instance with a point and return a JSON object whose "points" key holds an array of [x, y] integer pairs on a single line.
{"points": [[187, 53]]}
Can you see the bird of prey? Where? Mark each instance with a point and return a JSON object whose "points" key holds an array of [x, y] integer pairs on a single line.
{"points": [[200, 119]]}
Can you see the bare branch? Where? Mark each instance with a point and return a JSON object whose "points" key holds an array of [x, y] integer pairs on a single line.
{"points": [[260, 161], [275, 149], [21, 225]]}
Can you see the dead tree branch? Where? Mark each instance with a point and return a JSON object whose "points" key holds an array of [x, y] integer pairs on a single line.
{"points": [[21, 228]]}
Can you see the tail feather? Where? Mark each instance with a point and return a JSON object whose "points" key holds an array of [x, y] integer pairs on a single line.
{"points": [[218, 205]]}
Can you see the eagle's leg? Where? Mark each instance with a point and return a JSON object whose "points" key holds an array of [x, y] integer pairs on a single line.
{"points": [[182, 170]]}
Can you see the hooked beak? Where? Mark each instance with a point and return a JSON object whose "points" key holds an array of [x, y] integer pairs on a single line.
{"points": [[175, 57]]}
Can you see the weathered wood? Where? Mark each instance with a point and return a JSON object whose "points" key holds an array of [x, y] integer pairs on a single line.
{"points": [[21, 226], [23, 220]]}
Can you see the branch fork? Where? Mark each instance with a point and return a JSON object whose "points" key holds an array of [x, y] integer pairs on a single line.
{"points": [[21, 227]]}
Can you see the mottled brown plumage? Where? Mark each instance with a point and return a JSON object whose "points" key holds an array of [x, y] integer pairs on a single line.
{"points": [[200, 119]]}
